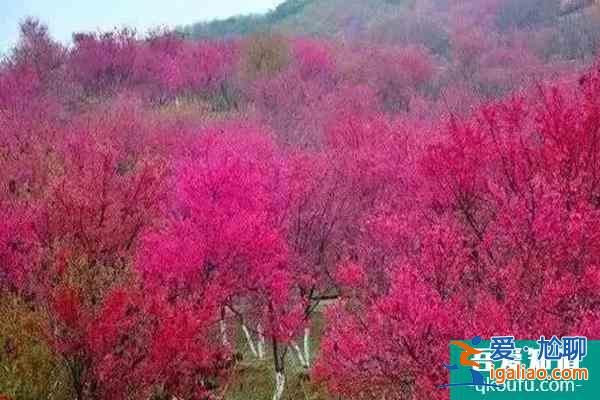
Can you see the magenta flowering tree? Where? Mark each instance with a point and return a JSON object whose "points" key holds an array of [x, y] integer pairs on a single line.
{"points": [[296, 101], [73, 203], [396, 74], [332, 195], [390, 345], [103, 62], [167, 66], [19, 252], [224, 238], [130, 345], [205, 65], [501, 240], [160, 196], [314, 59]]}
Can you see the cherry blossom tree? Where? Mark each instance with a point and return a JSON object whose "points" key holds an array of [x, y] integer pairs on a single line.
{"points": [[223, 238], [496, 243]]}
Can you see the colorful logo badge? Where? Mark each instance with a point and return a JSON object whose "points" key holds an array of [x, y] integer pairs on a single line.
{"points": [[502, 367]]}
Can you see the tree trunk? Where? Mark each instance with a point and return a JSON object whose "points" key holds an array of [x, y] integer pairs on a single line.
{"points": [[300, 355], [260, 345], [223, 328], [278, 359], [279, 385], [249, 340], [307, 346]]}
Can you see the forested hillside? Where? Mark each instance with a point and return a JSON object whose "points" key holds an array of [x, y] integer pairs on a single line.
{"points": [[327, 17], [400, 21], [308, 204]]}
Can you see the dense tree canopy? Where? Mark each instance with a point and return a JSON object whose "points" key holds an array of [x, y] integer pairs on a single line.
{"points": [[175, 211]]}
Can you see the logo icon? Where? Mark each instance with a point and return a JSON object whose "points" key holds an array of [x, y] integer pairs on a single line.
{"points": [[467, 352]]}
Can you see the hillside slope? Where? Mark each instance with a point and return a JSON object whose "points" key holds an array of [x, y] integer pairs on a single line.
{"points": [[570, 24], [320, 17]]}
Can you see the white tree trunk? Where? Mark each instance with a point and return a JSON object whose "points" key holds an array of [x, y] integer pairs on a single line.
{"points": [[223, 327], [249, 340], [260, 345], [307, 346], [279, 385], [300, 354]]}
